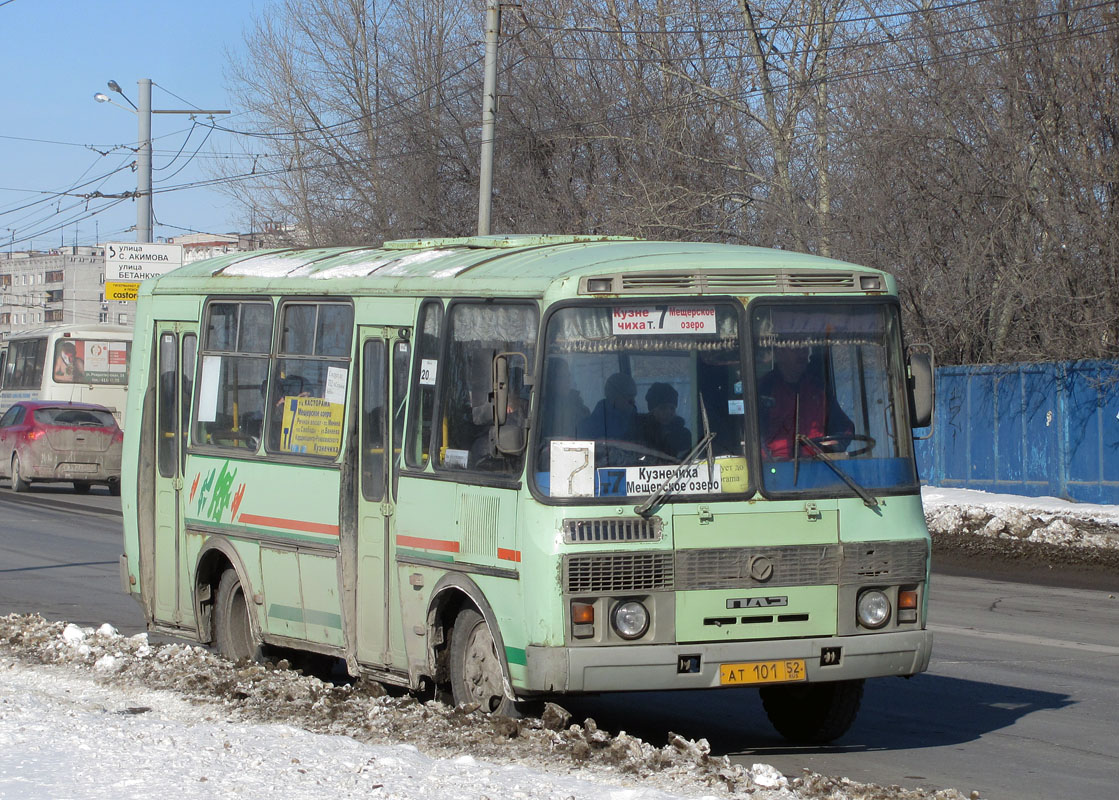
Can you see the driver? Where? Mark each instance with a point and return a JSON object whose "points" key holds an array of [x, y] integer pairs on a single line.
{"points": [[793, 400], [661, 429], [614, 416]]}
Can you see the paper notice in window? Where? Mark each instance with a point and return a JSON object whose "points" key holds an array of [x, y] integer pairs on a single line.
{"points": [[572, 469], [736, 477], [428, 368], [335, 390], [208, 391]]}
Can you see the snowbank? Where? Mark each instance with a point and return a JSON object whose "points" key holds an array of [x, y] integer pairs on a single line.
{"points": [[1040, 520], [91, 714]]}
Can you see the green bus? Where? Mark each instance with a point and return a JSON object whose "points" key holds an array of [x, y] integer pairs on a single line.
{"points": [[511, 467]]}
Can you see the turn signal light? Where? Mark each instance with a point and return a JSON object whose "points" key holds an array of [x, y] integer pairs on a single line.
{"points": [[907, 605], [582, 613], [582, 620]]}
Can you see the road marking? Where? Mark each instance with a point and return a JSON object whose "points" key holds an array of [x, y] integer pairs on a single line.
{"points": [[1022, 638]]}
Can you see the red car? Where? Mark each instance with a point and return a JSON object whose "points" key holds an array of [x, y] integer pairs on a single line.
{"points": [[51, 441]]}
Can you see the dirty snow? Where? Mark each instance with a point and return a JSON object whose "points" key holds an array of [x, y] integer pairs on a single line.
{"points": [[1039, 520], [92, 715]]}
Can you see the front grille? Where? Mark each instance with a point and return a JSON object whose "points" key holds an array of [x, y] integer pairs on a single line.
{"points": [[584, 531], [853, 563], [608, 573], [730, 568], [884, 562]]}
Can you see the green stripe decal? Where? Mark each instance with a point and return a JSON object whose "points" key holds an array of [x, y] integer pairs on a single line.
{"points": [[267, 533], [290, 613], [310, 616], [424, 554], [516, 655]]}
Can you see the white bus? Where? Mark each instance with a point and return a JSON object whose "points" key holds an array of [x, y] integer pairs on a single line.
{"points": [[77, 363]]}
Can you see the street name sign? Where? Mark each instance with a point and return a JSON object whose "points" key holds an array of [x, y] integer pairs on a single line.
{"points": [[128, 263]]}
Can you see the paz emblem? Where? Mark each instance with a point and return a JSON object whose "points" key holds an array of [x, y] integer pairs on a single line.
{"points": [[761, 568]]}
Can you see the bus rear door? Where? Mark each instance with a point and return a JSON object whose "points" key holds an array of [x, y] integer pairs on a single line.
{"points": [[177, 346], [384, 359]]}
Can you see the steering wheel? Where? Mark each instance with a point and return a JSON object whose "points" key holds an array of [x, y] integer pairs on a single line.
{"points": [[826, 442]]}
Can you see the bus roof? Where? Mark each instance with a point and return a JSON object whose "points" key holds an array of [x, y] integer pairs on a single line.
{"points": [[75, 330], [526, 265]]}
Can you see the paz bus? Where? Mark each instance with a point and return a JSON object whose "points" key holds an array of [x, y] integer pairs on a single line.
{"points": [[510, 467], [74, 363]]}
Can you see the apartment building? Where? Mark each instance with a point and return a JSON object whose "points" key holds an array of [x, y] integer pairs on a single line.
{"points": [[66, 285], [61, 286]]}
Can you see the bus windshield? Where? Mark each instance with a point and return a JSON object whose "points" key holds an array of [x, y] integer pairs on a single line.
{"points": [[629, 390], [830, 396]]}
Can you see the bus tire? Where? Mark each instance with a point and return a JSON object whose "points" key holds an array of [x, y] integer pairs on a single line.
{"points": [[18, 482], [475, 667], [81, 487], [233, 630], [813, 713]]}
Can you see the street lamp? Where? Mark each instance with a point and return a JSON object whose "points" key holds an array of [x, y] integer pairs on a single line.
{"points": [[143, 113]]}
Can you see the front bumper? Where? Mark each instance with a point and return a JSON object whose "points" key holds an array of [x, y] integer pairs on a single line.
{"points": [[654, 667]]}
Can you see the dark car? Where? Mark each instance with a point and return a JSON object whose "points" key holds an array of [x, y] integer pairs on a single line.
{"points": [[51, 441]]}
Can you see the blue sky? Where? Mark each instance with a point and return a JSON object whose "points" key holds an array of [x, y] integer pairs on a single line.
{"points": [[55, 55]]}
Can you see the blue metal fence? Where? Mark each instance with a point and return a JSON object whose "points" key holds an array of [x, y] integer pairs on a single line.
{"points": [[1030, 429]]}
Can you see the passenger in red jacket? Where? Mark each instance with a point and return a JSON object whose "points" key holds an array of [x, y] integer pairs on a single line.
{"points": [[793, 400]]}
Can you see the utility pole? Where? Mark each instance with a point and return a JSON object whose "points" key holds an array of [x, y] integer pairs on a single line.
{"points": [[489, 111], [144, 161], [143, 112]]}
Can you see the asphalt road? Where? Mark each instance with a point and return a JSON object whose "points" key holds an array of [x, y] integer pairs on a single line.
{"points": [[1021, 700], [60, 557]]}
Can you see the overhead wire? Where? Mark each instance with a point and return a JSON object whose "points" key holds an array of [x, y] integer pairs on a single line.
{"points": [[893, 68]]}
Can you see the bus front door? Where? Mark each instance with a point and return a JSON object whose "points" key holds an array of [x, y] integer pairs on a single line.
{"points": [[384, 358], [177, 346]]}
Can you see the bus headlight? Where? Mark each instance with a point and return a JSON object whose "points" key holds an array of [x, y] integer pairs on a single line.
{"points": [[873, 609], [630, 619]]}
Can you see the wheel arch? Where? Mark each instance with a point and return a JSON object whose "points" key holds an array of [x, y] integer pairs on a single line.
{"points": [[451, 594], [217, 555]]}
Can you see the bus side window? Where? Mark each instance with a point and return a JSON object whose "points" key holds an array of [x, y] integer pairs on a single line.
{"points": [[307, 400], [478, 332], [237, 343], [168, 378], [373, 420], [425, 373]]}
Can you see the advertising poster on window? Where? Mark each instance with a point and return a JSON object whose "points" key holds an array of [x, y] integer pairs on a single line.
{"points": [[312, 426], [87, 361]]}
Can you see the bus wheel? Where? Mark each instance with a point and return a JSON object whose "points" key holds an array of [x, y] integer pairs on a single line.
{"points": [[114, 488], [475, 666], [814, 713], [81, 487], [18, 483], [233, 633]]}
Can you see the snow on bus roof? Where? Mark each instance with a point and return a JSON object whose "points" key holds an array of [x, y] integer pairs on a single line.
{"points": [[354, 264]]}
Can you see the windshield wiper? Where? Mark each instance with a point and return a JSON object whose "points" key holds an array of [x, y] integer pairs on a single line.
{"points": [[868, 499], [689, 459]]}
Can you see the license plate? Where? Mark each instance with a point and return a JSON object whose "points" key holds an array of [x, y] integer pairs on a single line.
{"points": [[72, 467], [755, 672]]}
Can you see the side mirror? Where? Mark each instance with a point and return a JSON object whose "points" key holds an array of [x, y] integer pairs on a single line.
{"points": [[922, 388], [500, 388], [508, 435]]}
